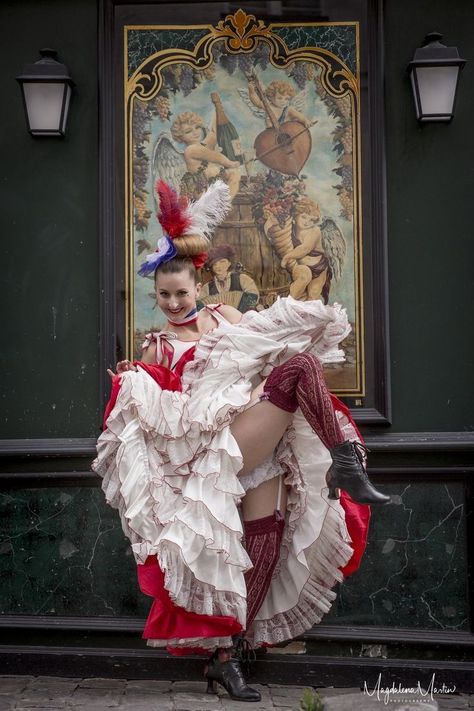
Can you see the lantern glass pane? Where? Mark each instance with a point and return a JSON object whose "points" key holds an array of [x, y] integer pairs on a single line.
{"points": [[44, 102], [437, 89], [415, 93], [67, 99]]}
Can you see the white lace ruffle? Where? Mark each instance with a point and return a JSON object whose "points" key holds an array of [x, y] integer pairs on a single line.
{"points": [[169, 464]]}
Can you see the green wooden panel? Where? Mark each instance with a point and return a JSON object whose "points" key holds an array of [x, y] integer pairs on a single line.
{"points": [[430, 243], [48, 223]]}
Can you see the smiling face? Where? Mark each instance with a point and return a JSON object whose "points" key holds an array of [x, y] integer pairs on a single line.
{"points": [[191, 133], [176, 294]]}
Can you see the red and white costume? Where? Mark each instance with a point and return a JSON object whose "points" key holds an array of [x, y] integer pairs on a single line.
{"points": [[170, 466]]}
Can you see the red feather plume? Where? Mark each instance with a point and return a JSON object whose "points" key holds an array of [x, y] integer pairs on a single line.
{"points": [[172, 215]]}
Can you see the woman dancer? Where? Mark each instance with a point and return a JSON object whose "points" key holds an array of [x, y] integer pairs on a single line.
{"points": [[225, 411]]}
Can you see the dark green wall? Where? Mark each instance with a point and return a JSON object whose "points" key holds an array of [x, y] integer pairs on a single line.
{"points": [[49, 235], [430, 228]]}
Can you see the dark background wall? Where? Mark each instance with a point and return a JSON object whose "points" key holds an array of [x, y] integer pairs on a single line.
{"points": [[430, 174], [62, 551], [49, 236]]}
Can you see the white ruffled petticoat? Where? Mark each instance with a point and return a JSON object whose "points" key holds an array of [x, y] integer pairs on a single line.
{"points": [[170, 465]]}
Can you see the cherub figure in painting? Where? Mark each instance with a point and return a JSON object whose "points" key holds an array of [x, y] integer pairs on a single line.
{"points": [[284, 101], [312, 249], [193, 169]]}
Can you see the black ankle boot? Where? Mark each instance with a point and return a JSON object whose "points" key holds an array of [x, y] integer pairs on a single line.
{"points": [[229, 675], [347, 472]]}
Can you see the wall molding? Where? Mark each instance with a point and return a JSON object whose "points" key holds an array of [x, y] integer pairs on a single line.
{"points": [[54, 447], [376, 442], [328, 633], [302, 670]]}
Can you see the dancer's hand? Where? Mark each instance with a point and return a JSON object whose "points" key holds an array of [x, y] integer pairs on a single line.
{"points": [[122, 367]]}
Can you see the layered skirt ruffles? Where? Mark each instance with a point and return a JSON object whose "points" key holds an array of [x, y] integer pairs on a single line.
{"points": [[169, 463]]}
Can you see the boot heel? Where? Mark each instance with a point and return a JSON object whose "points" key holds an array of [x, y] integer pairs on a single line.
{"points": [[333, 492], [211, 686]]}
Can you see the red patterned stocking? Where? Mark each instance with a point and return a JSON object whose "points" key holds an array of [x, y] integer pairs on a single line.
{"points": [[262, 543], [300, 383]]}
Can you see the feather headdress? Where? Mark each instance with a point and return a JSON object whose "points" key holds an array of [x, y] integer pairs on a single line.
{"points": [[210, 210], [173, 215], [180, 218]]}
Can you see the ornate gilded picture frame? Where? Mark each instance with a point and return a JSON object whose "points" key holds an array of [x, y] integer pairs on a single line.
{"points": [[277, 111]]}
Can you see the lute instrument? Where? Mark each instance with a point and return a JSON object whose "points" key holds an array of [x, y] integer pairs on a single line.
{"points": [[282, 147]]}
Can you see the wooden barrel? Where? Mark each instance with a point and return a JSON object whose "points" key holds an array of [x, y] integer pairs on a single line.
{"points": [[253, 249]]}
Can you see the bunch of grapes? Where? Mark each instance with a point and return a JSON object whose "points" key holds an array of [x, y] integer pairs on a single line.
{"points": [[176, 70], [345, 198], [298, 74], [345, 107], [310, 70], [282, 210], [142, 215], [275, 194], [187, 82], [160, 106], [346, 174], [170, 78], [346, 139], [210, 72], [337, 135], [246, 63], [140, 119], [229, 62], [261, 55], [140, 171]]}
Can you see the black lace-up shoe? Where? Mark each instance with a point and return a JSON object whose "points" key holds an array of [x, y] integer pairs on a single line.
{"points": [[347, 472]]}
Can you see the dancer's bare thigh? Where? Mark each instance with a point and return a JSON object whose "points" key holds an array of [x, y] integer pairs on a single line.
{"points": [[258, 431], [263, 500]]}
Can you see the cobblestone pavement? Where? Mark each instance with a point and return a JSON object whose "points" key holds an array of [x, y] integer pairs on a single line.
{"points": [[45, 693]]}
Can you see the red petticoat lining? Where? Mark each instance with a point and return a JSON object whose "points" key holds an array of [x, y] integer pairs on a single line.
{"points": [[168, 621]]}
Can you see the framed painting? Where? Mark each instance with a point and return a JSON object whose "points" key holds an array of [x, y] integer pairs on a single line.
{"points": [[280, 109]]}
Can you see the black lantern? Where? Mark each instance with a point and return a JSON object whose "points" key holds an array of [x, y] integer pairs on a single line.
{"points": [[434, 74], [46, 87]]}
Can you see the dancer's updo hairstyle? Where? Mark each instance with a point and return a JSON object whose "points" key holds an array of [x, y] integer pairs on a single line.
{"points": [[187, 228], [187, 246]]}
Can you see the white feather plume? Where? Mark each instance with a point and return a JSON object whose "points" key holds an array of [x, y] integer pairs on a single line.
{"points": [[210, 210]]}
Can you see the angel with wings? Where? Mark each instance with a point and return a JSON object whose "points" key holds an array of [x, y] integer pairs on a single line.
{"points": [[312, 249], [191, 169], [285, 103]]}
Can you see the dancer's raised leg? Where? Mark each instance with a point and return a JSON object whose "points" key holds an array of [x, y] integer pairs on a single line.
{"points": [[300, 383]]}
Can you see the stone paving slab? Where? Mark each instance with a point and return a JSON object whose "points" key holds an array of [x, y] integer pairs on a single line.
{"points": [[344, 702], [47, 693], [149, 686], [9, 684], [98, 683]]}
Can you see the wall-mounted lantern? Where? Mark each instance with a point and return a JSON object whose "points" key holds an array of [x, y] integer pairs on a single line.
{"points": [[46, 88], [434, 73]]}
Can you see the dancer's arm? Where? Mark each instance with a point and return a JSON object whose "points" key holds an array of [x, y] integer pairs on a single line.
{"points": [[230, 313]]}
